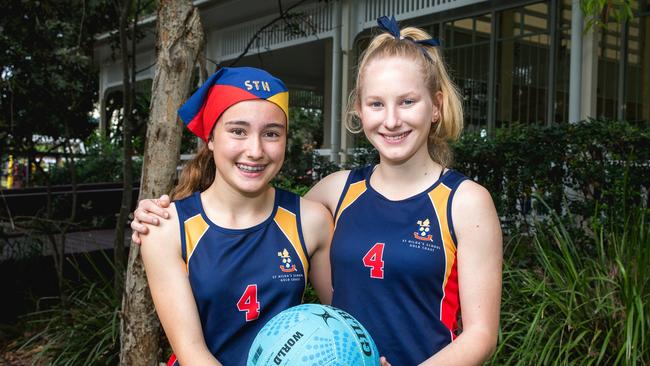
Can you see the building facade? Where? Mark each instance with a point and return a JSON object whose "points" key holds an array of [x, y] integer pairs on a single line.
{"points": [[514, 61]]}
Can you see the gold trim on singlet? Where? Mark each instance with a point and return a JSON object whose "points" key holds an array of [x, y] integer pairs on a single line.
{"points": [[355, 190], [195, 227], [288, 224]]}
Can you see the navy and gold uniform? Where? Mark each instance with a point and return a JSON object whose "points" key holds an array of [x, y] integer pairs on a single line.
{"points": [[394, 266], [241, 278]]}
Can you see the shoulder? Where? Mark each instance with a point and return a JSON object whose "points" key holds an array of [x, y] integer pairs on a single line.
{"points": [[334, 180], [314, 213], [329, 189], [473, 208], [470, 194]]}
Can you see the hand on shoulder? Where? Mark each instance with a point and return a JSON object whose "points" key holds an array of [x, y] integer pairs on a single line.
{"points": [[165, 236], [171, 217], [148, 212]]}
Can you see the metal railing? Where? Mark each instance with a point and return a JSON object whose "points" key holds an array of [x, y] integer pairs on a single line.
{"points": [[314, 21], [404, 9]]}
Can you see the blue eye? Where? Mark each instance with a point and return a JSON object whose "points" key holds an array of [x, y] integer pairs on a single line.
{"points": [[408, 102], [376, 104]]}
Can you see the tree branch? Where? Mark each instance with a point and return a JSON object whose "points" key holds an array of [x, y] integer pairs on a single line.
{"points": [[282, 16], [81, 23]]}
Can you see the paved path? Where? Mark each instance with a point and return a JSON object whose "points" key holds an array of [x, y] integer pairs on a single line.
{"points": [[77, 242]]}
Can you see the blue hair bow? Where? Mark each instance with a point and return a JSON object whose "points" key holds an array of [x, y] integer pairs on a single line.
{"points": [[390, 25]]}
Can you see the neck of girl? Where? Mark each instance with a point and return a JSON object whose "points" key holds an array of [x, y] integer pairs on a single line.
{"points": [[230, 208], [402, 180]]}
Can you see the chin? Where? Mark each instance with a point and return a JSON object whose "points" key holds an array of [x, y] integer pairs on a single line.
{"points": [[397, 154], [253, 187], [250, 190]]}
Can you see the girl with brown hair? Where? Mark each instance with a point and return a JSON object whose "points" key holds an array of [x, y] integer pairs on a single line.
{"points": [[236, 251]]}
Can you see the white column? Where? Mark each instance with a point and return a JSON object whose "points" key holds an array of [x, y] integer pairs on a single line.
{"points": [[102, 102], [328, 96], [349, 29], [335, 126], [589, 76], [575, 82]]}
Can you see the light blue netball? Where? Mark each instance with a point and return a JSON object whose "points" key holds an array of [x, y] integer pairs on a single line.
{"points": [[313, 335]]}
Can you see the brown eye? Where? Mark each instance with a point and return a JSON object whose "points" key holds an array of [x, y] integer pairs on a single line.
{"points": [[272, 134], [238, 132]]}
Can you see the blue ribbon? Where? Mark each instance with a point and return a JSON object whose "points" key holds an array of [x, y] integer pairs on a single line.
{"points": [[390, 25]]}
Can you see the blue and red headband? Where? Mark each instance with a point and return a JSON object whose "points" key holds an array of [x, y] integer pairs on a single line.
{"points": [[226, 87]]}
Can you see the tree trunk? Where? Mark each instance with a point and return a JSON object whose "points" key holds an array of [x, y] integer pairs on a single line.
{"points": [[180, 39]]}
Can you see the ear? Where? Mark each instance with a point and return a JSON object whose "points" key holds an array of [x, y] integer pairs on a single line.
{"points": [[437, 107], [210, 145], [357, 109]]}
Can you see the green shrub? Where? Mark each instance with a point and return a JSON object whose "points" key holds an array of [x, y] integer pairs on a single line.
{"points": [[303, 166], [102, 162], [578, 304], [305, 133], [572, 166], [86, 331]]}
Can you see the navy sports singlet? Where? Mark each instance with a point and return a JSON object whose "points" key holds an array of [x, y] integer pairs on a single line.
{"points": [[394, 266], [241, 278]]}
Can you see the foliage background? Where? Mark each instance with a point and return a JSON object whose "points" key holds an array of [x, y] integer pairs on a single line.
{"points": [[48, 80]]}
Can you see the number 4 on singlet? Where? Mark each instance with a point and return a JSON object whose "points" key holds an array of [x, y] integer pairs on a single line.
{"points": [[248, 303], [374, 260]]}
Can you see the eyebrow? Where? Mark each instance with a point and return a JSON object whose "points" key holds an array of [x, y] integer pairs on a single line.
{"points": [[275, 125], [403, 95], [247, 124], [238, 123]]}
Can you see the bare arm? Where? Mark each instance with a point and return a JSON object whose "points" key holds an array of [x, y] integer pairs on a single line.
{"points": [[328, 190], [172, 294], [317, 229], [480, 259]]}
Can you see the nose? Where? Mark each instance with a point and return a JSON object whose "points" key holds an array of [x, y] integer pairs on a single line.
{"points": [[392, 119], [254, 148]]}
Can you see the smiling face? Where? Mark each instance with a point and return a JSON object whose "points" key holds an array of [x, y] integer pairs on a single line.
{"points": [[248, 145], [396, 109]]}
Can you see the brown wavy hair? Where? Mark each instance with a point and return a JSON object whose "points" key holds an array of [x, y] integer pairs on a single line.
{"points": [[197, 175], [435, 76]]}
